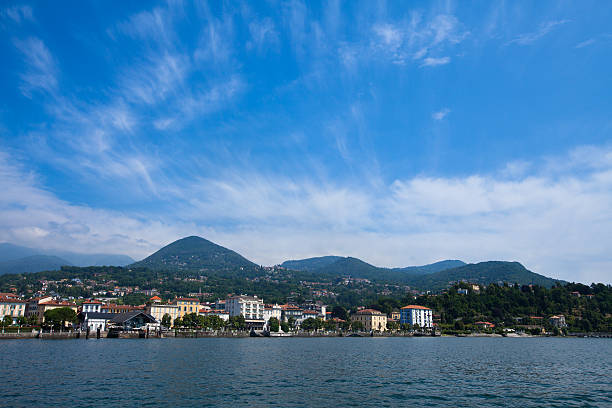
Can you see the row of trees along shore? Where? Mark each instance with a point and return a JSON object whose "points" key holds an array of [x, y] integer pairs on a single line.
{"points": [[585, 308]]}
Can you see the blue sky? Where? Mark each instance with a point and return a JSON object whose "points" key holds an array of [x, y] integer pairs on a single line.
{"points": [[399, 133]]}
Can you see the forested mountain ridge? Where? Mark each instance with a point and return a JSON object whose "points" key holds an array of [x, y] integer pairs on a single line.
{"points": [[194, 253]]}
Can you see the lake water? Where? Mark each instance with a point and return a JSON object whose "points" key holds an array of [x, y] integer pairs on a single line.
{"points": [[300, 372]]}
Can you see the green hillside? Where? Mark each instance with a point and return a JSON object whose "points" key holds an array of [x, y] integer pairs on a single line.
{"points": [[194, 253], [310, 264], [34, 263], [431, 268], [483, 273]]}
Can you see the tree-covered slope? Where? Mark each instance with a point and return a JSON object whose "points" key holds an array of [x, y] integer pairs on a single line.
{"points": [[194, 253], [483, 273], [310, 264], [33, 263], [431, 268]]}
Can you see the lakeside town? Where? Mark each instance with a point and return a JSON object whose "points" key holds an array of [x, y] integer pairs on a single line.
{"points": [[242, 315]]}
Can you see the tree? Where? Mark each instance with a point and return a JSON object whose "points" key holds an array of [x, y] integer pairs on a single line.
{"points": [[59, 316], [357, 326], [33, 320], [285, 327], [345, 325], [291, 322], [22, 321], [274, 324], [339, 312], [309, 324], [329, 325], [166, 320], [459, 325], [237, 322], [7, 320]]}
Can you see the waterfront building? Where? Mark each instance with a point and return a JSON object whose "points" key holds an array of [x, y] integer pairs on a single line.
{"points": [[394, 315], [116, 309], [557, 321], [223, 314], [416, 315], [318, 307], [32, 305], [158, 310], [94, 320], [53, 304], [187, 305], [136, 320], [272, 311], [372, 320], [251, 307], [13, 307], [288, 311], [91, 306]]}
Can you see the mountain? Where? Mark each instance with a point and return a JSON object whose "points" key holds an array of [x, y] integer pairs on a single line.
{"points": [[10, 252], [310, 264], [483, 273], [194, 253], [330, 265], [94, 259], [431, 268], [33, 263]]}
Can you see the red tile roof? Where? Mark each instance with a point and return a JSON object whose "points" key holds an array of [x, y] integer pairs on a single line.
{"points": [[416, 307]]}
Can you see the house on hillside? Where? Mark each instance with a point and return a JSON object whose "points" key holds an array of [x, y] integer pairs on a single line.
{"points": [[557, 321], [484, 325]]}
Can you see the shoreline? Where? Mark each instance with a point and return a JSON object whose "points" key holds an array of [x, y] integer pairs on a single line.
{"points": [[196, 335]]}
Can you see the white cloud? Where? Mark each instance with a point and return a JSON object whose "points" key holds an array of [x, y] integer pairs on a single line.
{"points": [[432, 61], [441, 114], [18, 13], [263, 35], [544, 28], [556, 223], [40, 72], [417, 40], [585, 43]]}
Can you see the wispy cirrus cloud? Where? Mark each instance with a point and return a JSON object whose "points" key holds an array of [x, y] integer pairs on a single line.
{"points": [[408, 221], [441, 114], [41, 70], [419, 40], [433, 62], [17, 14], [532, 37]]}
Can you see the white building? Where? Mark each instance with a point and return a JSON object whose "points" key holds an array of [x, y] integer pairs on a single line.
{"points": [[92, 306], [251, 307], [214, 312], [95, 320], [415, 314]]}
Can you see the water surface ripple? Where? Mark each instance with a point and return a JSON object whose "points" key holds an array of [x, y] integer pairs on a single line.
{"points": [[298, 372]]}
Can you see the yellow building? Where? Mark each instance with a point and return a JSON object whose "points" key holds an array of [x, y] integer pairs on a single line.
{"points": [[372, 320], [187, 305], [53, 304], [158, 310], [13, 307]]}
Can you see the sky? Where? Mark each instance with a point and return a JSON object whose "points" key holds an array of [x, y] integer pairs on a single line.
{"points": [[401, 133]]}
